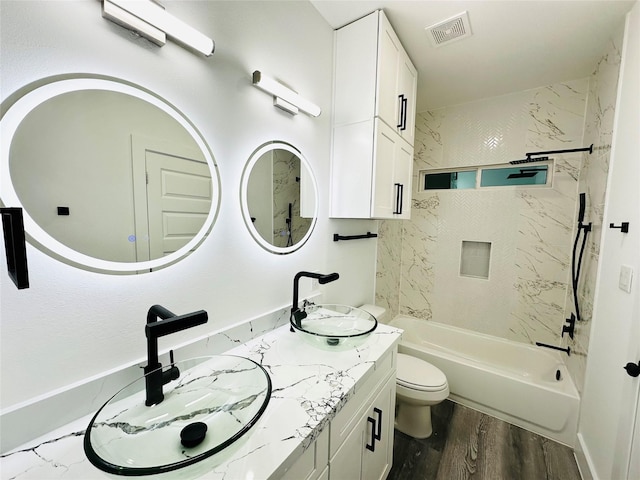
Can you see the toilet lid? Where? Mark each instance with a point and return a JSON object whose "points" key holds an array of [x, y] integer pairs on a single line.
{"points": [[417, 374]]}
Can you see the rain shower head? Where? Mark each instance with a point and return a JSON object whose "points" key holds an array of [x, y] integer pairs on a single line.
{"points": [[526, 173], [529, 160]]}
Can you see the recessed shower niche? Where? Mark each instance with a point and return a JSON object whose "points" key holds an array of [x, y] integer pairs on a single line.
{"points": [[475, 259]]}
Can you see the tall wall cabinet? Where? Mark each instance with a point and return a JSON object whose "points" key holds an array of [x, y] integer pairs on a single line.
{"points": [[374, 122]]}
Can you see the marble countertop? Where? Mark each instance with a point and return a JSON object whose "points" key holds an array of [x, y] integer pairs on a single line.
{"points": [[309, 386]]}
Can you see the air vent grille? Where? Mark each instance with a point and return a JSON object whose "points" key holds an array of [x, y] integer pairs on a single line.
{"points": [[449, 30]]}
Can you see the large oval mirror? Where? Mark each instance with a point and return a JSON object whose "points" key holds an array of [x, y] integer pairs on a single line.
{"points": [[279, 197], [110, 176]]}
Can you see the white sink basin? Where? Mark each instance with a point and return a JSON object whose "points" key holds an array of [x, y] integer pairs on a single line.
{"points": [[333, 327], [215, 401]]}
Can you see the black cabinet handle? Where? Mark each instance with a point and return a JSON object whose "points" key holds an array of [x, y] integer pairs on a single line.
{"points": [[402, 116], [399, 197], [376, 430], [372, 447]]}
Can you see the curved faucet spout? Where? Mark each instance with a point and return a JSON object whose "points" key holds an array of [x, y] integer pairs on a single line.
{"points": [[154, 329], [322, 279]]}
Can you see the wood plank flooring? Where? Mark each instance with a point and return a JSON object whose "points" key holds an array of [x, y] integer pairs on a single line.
{"points": [[468, 445]]}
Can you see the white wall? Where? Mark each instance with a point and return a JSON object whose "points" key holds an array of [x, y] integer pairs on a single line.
{"points": [[72, 324], [610, 396]]}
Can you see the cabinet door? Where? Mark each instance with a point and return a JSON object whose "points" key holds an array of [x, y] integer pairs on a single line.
{"points": [[388, 102], [377, 456], [347, 462], [403, 179], [407, 91], [393, 162]]}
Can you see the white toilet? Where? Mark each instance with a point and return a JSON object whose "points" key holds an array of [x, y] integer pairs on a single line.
{"points": [[419, 385]]}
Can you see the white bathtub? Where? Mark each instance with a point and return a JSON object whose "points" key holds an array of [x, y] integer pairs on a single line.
{"points": [[508, 380]]}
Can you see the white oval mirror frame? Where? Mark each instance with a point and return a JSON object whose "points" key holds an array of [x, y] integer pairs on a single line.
{"points": [[10, 123], [308, 195]]}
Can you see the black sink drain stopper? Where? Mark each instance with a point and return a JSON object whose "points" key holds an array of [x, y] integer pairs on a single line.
{"points": [[193, 434]]}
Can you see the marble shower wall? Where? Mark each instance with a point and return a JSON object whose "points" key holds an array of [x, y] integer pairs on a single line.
{"points": [[530, 229], [286, 191], [601, 102]]}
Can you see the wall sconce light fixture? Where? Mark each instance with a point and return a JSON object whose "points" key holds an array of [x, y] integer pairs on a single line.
{"points": [[284, 97], [151, 20]]}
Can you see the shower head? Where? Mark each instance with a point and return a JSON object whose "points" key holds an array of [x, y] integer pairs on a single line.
{"points": [[529, 160], [526, 173]]}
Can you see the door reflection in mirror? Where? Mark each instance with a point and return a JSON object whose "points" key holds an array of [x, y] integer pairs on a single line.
{"points": [[137, 180]]}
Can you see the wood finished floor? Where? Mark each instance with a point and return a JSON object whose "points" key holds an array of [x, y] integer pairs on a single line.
{"points": [[467, 444]]}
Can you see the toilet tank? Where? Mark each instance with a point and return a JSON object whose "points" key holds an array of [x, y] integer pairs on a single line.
{"points": [[380, 313]]}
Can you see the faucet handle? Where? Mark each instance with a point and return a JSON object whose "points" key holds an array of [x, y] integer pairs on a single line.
{"points": [[171, 357]]}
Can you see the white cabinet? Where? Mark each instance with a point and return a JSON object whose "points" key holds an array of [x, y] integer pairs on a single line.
{"points": [[361, 439], [393, 167], [367, 453], [397, 84], [373, 123], [313, 464]]}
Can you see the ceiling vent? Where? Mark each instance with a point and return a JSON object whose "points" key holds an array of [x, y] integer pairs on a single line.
{"points": [[449, 30]]}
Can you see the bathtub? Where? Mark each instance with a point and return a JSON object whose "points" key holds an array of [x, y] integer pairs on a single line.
{"points": [[512, 381]]}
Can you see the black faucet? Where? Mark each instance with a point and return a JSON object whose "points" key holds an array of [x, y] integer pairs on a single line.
{"points": [[155, 378], [296, 314]]}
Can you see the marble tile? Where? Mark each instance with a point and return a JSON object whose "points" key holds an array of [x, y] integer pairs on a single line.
{"points": [[593, 176], [530, 229], [556, 116]]}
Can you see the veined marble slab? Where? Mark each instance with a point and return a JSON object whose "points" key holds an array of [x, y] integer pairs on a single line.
{"points": [[310, 386]]}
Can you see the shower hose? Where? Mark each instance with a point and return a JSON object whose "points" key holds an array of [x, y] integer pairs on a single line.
{"points": [[577, 263]]}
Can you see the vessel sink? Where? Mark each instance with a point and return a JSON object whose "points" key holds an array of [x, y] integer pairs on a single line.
{"points": [[215, 401], [333, 327]]}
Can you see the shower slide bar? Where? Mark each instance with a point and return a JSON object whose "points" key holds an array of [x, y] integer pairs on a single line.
{"points": [[337, 237], [565, 350]]}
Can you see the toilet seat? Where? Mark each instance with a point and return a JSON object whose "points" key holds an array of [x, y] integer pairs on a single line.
{"points": [[417, 374]]}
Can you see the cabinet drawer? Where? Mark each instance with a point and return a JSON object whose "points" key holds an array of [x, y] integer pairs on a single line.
{"points": [[346, 419], [313, 462]]}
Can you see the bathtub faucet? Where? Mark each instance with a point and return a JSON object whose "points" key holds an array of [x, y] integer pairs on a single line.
{"points": [[570, 326], [296, 314], [565, 350], [155, 378]]}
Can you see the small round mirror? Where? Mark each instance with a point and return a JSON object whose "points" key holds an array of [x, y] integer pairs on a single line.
{"points": [[279, 197], [110, 177]]}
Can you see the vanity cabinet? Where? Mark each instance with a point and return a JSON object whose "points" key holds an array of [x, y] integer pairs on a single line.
{"points": [[361, 437], [358, 445], [374, 122]]}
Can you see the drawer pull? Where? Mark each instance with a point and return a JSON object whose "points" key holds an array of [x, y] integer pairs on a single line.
{"points": [[376, 430]]}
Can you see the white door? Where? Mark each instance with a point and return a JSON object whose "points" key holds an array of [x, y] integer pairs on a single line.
{"points": [[172, 195], [634, 465], [178, 201]]}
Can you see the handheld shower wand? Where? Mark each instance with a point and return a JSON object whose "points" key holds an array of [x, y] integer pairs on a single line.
{"points": [[577, 263]]}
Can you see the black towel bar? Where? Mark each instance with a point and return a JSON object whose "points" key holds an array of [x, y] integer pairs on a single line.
{"points": [[337, 237]]}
